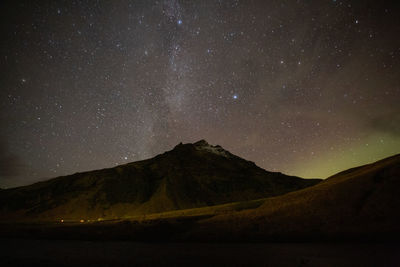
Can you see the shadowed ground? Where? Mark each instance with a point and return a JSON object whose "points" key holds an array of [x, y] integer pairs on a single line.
{"points": [[17, 252]]}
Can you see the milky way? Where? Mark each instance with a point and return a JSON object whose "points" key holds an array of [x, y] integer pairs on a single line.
{"points": [[307, 88]]}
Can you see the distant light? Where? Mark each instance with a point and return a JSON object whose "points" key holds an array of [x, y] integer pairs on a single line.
{"points": [[82, 221], [180, 22], [62, 221], [235, 96], [125, 158]]}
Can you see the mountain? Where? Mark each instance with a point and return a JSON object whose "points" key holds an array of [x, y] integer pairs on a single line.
{"points": [[360, 203], [188, 176]]}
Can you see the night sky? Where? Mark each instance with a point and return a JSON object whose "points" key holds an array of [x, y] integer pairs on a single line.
{"points": [[303, 87]]}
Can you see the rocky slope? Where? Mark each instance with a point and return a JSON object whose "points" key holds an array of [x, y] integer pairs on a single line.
{"points": [[189, 176]]}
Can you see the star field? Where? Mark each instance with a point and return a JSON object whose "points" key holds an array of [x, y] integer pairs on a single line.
{"points": [[306, 88]]}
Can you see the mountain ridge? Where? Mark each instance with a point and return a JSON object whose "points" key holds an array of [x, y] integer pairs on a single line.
{"points": [[188, 176]]}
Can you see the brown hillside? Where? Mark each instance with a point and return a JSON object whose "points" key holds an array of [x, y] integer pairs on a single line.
{"points": [[361, 202], [189, 176]]}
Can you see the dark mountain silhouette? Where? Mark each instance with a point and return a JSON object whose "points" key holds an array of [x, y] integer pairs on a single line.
{"points": [[360, 203], [189, 176]]}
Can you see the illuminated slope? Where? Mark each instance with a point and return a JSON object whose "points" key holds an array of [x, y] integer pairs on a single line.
{"points": [[362, 202], [189, 176]]}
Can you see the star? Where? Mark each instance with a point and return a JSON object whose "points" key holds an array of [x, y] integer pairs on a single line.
{"points": [[147, 78]]}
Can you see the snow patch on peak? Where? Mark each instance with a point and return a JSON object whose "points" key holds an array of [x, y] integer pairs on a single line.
{"points": [[218, 150], [202, 142]]}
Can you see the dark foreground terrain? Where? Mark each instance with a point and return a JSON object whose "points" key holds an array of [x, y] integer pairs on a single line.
{"points": [[358, 205], [349, 219], [25, 252]]}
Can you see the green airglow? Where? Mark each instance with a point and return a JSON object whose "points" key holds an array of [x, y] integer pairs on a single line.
{"points": [[373, 148]]}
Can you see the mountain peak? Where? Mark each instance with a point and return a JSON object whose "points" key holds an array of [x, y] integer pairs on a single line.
{"points": [[218, 150], [189, 176], [202, 142], [204, 146]]}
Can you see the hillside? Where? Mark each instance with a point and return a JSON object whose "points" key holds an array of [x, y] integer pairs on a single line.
{"points": [[362, 203], [189, 176]]}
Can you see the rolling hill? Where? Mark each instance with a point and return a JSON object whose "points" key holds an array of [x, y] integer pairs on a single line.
{"points": [[360, 203], [188, 176]]}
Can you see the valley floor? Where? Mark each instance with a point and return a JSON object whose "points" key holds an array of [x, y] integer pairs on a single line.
{"points": [[26, 252]]}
